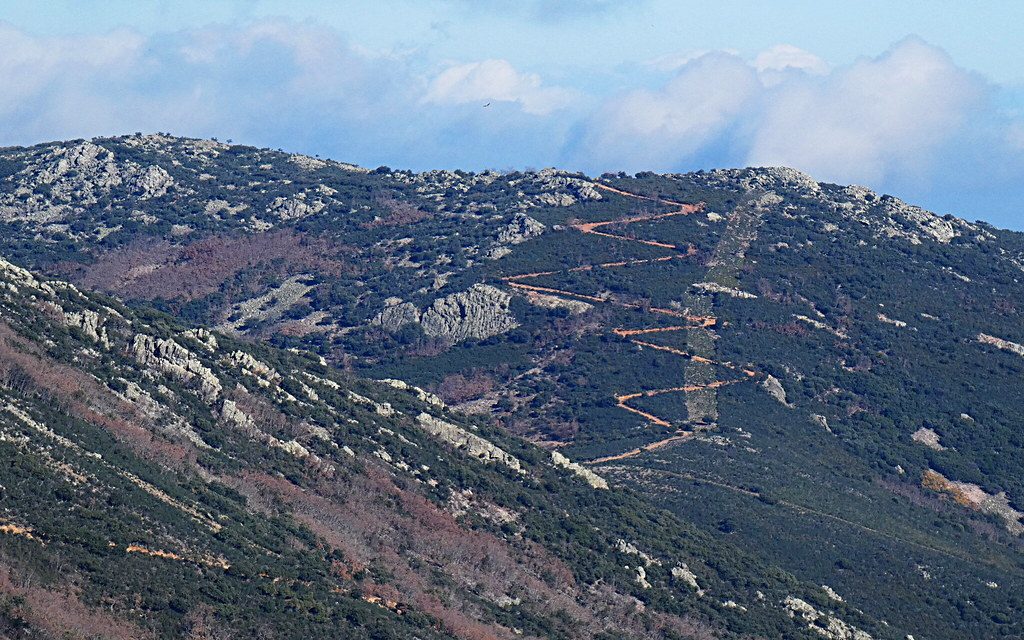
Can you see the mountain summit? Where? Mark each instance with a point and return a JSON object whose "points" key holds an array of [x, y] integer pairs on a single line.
{"points": [[270, 393]]}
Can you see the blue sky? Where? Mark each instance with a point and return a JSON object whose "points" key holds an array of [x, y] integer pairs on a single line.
{"points": [[924, 100]]}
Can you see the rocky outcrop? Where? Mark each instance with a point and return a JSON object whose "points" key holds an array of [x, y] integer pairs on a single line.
{"points": [[420, 394], [231, 414], [928, 438], [396, 315], [471, 443], [520, 229], [683, 574], [714, 287], [203, 337], [294, 208], [775, 389], [151, 182], [887, 320], [999, 343], [579, 470], [823, 623], [172, 359], [380, 408], [90, 323], [561, 189], [554, 302], [264, 374], [974, 497], [479, 312], [630, 549]]}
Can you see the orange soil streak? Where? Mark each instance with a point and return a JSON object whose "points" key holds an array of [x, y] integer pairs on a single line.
{"points": [[15, 530], [701, 321], [156, 553], [697, 321], [690, 252], [624, 333], [627, 194], [650, 416], [647, 447], [651, 243]]}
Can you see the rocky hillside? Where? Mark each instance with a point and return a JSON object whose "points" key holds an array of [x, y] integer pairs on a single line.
{"points": [[164, 482], [826, 377]]}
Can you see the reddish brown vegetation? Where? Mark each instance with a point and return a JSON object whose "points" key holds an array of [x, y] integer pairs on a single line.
{"points": [[160, 270], [397, 213], [456, 388], [375, 523], [57, 612], [24, 369]]}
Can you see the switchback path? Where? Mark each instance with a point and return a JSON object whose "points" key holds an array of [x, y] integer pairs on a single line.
{"points": [[700, 380]]}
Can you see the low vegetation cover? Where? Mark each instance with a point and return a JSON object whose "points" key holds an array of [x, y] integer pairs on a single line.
{"points": [[803, 397]]}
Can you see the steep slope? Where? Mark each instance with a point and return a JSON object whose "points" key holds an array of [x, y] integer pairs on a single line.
{"points": [[164, 482], [824, 376]]}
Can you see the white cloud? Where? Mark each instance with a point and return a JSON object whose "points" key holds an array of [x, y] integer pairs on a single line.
{"points": [[869, 121], [675, 61], [496, 81], [786, 56], [656, 129]]}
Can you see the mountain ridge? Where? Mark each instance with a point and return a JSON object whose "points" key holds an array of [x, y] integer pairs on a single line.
{"points": [[822, 375]]}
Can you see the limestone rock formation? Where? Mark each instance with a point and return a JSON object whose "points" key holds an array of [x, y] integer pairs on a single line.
{"points": [[775, 389], [151, 182], [294, 208], [520, 229], [823, 623], [999, 343], [714, 287], [91, 325], [174, 360], [683, 574], [586, 474], [479, 312], [928, 438], [422, 395], [471, 443]]}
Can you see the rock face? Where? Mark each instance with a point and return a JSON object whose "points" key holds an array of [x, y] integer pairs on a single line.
{"points": [[714, 287], [775, 389], [174, 360], [422, 395], [265, 374], [586, 474], [974, 497], [151, 182], [520, 229], [928, 438], [471, 443], [823, 623], [683, 574], [479, 312], [91, 325], [999, 343], [294, 208]]}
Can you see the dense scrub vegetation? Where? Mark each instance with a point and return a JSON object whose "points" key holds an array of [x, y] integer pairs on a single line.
{"points": [[866, 311]]}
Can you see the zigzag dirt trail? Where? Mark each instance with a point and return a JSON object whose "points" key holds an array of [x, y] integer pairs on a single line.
{"points": [[701, 381]]}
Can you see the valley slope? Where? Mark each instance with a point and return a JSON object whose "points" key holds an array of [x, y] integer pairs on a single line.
{"points": [[823, 376]]}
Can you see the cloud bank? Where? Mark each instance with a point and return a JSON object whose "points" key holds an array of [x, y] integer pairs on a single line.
{"points": [[908, 121]]}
